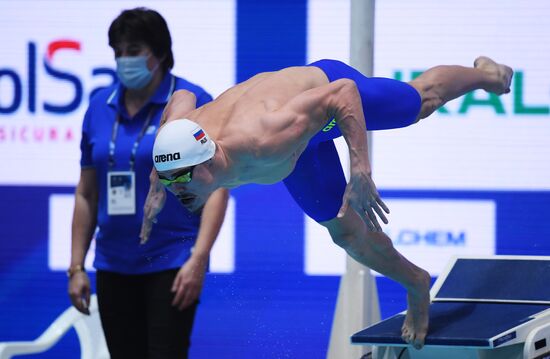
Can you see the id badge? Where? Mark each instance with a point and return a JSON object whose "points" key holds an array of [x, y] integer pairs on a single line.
{"points": [[121, 193]]}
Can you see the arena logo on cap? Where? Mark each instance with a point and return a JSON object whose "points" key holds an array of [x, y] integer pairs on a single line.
{"points": [[167, 157]]}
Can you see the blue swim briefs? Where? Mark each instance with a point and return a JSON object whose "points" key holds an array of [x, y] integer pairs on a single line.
{"points": [[317, 183]]}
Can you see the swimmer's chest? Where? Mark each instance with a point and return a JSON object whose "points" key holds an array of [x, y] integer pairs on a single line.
{"points": [[267, 169]]}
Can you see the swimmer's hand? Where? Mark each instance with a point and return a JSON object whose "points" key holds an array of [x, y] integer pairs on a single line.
{"points": [[188, 283], [361, 194], [153, 205]]}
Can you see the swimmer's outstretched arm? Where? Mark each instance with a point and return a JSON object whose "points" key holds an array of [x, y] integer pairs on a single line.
{"points": [[181, 103], [340, 100], [154, 203]]}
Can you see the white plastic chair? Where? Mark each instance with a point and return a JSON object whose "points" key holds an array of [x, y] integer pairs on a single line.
{"points": [[88, 329]]}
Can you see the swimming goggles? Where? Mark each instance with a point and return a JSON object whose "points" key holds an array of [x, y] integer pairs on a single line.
{"points": [[182, 177]]}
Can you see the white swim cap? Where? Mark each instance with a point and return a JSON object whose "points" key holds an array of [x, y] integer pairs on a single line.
{"points": [[181, 143]]}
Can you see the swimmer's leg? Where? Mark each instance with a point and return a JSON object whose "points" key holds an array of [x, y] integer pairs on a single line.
{"points": [[387, 103], [441, 84], [375, 250], [318, 184]]}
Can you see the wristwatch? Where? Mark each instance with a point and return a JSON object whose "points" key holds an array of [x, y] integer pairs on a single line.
{"points": [[74, 269]]}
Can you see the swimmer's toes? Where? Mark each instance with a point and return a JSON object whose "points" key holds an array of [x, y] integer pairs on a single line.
{"points": [[476, 61], [418, 343], [405, 334], [482, 61], [509, 76]]}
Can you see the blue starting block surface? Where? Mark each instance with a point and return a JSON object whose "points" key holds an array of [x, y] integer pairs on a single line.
{"points": [[457, 324], [478, 302], [507, 280]]}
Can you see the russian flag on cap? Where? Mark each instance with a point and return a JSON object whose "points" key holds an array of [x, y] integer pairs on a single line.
{"points": [[198, 135]]}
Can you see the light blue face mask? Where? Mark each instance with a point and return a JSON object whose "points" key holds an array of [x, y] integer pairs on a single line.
{"points": [[132, 71]]}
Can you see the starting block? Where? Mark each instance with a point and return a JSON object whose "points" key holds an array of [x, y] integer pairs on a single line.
{"points": [[484, 308]]}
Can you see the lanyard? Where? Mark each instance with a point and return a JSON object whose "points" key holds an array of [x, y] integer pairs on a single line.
{"points": [[114, 133], [141, 134]]}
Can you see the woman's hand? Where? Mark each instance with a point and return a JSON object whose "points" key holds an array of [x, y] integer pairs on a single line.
{"points": [[79, 291]]}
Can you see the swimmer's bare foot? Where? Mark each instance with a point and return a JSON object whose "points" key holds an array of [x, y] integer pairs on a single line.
{"points": [[502, 75], [415, 326]]}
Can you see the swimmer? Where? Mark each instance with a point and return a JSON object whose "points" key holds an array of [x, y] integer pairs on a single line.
{"points": [[279, 126]]}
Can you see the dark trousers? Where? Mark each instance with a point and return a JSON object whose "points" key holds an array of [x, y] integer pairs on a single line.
{"points": [[138, 318]]}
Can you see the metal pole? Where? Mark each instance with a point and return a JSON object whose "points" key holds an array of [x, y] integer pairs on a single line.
{"points": [[357, 305]]}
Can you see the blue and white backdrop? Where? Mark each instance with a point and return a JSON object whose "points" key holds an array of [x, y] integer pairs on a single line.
{"points": [[472, 179]]}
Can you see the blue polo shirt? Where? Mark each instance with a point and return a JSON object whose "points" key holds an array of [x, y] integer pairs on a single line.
{"points": [[117, 237]]}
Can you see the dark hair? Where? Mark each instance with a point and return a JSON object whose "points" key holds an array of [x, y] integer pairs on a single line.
{"points": [[147, 26]]}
